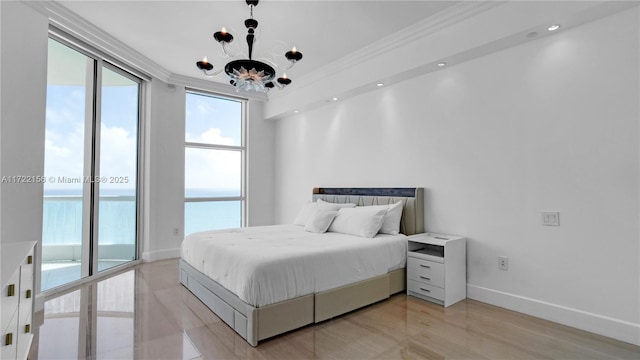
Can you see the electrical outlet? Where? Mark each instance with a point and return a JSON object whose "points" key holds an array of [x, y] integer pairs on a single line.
{"points": [[503, 263], [550, 218], [176, 231]]}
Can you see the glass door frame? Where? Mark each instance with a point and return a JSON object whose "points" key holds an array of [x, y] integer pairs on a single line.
{"points": [[91, 162]]}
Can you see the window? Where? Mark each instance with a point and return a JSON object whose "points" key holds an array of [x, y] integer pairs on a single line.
{"points": [[214, 163]]}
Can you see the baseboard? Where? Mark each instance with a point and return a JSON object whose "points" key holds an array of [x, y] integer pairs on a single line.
{"points": [[160, 255], [598, 324]]}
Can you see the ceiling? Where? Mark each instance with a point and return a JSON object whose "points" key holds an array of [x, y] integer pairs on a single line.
{"points": [[176, 34]]}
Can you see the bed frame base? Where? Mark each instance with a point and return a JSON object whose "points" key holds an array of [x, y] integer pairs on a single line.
{"points": [[255, 324]]}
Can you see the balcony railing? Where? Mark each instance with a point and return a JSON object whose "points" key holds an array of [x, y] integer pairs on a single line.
{"points": [[62, 227]]}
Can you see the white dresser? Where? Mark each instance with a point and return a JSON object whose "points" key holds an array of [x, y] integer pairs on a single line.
{"points": [[16, 303], [437, 268]]}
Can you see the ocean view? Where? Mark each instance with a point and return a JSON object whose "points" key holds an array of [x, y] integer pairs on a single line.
{"points": [[62, 215]]}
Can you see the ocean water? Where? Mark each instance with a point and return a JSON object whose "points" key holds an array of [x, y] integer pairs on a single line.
{"points": [[214, 215], [62, 221], [62, 216], [211, 215]]}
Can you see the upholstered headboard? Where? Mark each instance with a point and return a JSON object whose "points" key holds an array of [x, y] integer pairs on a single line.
{"points": [[412, 221]]}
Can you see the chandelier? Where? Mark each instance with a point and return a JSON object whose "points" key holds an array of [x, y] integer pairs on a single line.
{"points": [[249, 74]]}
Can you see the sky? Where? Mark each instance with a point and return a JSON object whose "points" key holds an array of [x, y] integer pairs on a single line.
{"points": [[212, 120], [209, 120]]}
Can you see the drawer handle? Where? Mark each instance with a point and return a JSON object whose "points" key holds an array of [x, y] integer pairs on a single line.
{"points": [[423, 289], [27, 328], [8, 339], [12, 290], [28, 294], [29, 259], [424, 277], [425, 266]]}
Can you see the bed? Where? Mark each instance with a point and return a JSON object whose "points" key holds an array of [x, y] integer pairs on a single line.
{"points": [[258, 304]]}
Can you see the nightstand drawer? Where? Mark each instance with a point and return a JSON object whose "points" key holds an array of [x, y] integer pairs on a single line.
{"points": [[425, 290], [425, 271]]}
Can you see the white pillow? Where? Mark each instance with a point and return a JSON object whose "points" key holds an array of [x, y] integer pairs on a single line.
{"points": [[391, 223], [364, 221], [320, 220], [333, 206], [310, 207]]}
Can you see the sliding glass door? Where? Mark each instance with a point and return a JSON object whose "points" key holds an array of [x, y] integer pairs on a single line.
{"points": [[118, 169], [91, 166], [69, 90]]}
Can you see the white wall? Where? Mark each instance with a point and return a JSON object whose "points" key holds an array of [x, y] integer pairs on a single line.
{"points": [[551, 125], [164, 171], [260, 166], [22, 116]]}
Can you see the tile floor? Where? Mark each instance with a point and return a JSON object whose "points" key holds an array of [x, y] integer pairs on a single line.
{"points": [[144, 313]]}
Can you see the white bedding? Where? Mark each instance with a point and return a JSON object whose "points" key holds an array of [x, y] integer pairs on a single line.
{"points": [[267, 264]]}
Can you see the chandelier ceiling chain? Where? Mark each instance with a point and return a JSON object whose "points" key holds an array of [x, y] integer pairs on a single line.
{"points": [[249, 74]]}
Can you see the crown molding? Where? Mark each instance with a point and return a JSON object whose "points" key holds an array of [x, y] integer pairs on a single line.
{"points": [[428, 26], [504, 25], [73, 24]]}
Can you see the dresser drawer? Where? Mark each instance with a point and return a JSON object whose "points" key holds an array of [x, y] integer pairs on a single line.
{"points": [[26, 277], [9, 351], [425, 290], [25, 335], [25, 313], [9, 304], [425, 271]]}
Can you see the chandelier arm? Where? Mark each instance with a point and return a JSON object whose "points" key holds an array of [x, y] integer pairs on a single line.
{"points": [[209, 73], [228, 53], [269, 61], [291, 63], [224, 49]]}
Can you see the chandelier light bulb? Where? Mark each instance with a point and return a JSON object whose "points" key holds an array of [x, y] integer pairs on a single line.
{"points": [[223, 30], [205, 66]]}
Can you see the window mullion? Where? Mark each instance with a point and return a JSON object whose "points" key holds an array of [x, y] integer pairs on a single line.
{"points": [[95, 185]]}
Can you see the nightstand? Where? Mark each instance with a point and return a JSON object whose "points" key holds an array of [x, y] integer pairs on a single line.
{"points": [[437, 268]]}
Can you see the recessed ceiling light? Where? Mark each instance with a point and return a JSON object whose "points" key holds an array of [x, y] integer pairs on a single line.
{"points": [[296, 111], [441, 64], [553, 27], [379, 84], [335, 99]]}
